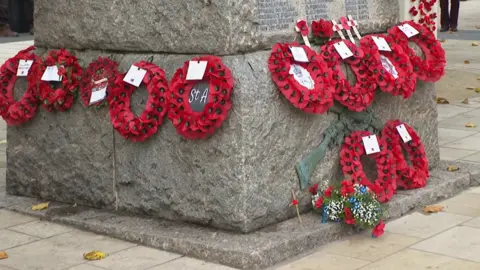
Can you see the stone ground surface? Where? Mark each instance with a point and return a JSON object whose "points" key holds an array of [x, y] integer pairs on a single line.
{"points": [[447, 240]]}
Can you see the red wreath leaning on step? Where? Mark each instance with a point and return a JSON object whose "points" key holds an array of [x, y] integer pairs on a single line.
{"points": [[350, 158], [18, 112], [408, 176], [129, 126], [433, 67]]}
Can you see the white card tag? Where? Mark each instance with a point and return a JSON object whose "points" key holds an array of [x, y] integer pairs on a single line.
{"points": [[388, 66], [381, 44], [135, 76], [343, 50], [51, 74], [299, 54], [23, 67], [408, 30], [371, 144], [402, 130], [98, 94], [302, 76], [196, 70]]}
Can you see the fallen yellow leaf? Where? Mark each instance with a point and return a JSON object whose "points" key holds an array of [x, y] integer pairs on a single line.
{"points": [[452, 168], [3, 141], [475, 44], [442, 40], [40, 206], [470, 88], [433, 208], [94, 255], [470, 125], [3, 255], [465, 101], [477, 89], [466, 62], [478, 78], [441, 100]]}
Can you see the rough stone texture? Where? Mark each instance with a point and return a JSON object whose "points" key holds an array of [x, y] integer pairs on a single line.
{"points": [[239, 179], [193, 26], [256, 250]]}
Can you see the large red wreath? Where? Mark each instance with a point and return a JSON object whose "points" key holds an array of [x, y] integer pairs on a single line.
{"points": [[356, 97], [21, 111], [61, 98], [317, 100], [406, 80], [200, 124], [139, 128], [416, 175], [102, 68], [433, 67], [350, 159]]}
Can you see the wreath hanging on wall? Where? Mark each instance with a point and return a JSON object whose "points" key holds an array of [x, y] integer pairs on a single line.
{"points": [[308, 86], [409, 176], [430, 69], [128, 125], [391, 69], [199, 107], [101, 69], [18, 112], [356, 97], [59, 97], [350, 158]]}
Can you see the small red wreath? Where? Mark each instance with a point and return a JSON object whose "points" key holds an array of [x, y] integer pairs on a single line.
{"points": [[21, 111], [405, 81], [350, 158], [433, 67], [60, 99], [102, 68], [212, 98], [140, 128], [359, 96], [316, 99], [408, 177]]}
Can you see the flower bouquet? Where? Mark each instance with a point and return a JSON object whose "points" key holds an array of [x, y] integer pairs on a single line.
{"points": [[351, 203]]}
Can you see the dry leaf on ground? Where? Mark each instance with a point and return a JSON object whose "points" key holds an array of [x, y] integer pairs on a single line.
{"points": [[465, 101], [477, 89], [470, 88], [478, 78], [433, 208], [452, 168], [470, 125], [3, 255], [441, 100], [442, 40], [94, 255], [40, 206], [466, 62], [478, 27], [475, 44]]}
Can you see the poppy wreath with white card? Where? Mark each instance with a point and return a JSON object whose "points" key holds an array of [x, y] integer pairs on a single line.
{"points": [[12, 111], [359, 96], [308, 84], [430, 69], [200, 104], [398, 136], [128, 125], [97, 75], [389, 64], [351, 153], [59, 96]]}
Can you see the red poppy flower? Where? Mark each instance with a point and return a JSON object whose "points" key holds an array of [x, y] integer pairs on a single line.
{"points": [[295, 202], [303, 27], [347, 188], [379, 229], [322, 28], [349, 219], [319, 203], [328, 192], [314, 189]]}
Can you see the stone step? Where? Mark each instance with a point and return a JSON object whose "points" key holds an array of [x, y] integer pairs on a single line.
{"points": [[257, 250]]}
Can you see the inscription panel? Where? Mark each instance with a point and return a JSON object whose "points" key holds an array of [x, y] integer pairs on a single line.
{"points": [[317, 10], [276, 15], [358, 9]]}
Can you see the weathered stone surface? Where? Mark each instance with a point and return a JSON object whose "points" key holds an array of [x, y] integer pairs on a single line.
{"points": [[256, 250], [193, 26]]}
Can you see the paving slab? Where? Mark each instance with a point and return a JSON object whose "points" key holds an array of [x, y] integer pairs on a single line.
{"points": [[468, 143], [447, 135], [10, 239], [41, 229], [10, 219], [454, 154], [472, 158], [186, 263], [465, 204], [448, 111], [85, 267], [324, 261]]}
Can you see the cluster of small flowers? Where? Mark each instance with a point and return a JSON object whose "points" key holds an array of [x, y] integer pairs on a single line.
{"points": [[333, 210], [366, 212]]}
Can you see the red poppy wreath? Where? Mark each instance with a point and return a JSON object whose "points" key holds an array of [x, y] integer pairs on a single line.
{"points": [[308, 86], [129, 126], [408, 177], [432, 68], [350, 158], [356, 97], [12, 111], [99, 72], [60, 97], [392, 69], [199, 107]]}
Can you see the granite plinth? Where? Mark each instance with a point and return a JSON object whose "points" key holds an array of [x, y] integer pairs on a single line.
{"points": [[193, 26], [240, 179], [257, 250]]}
